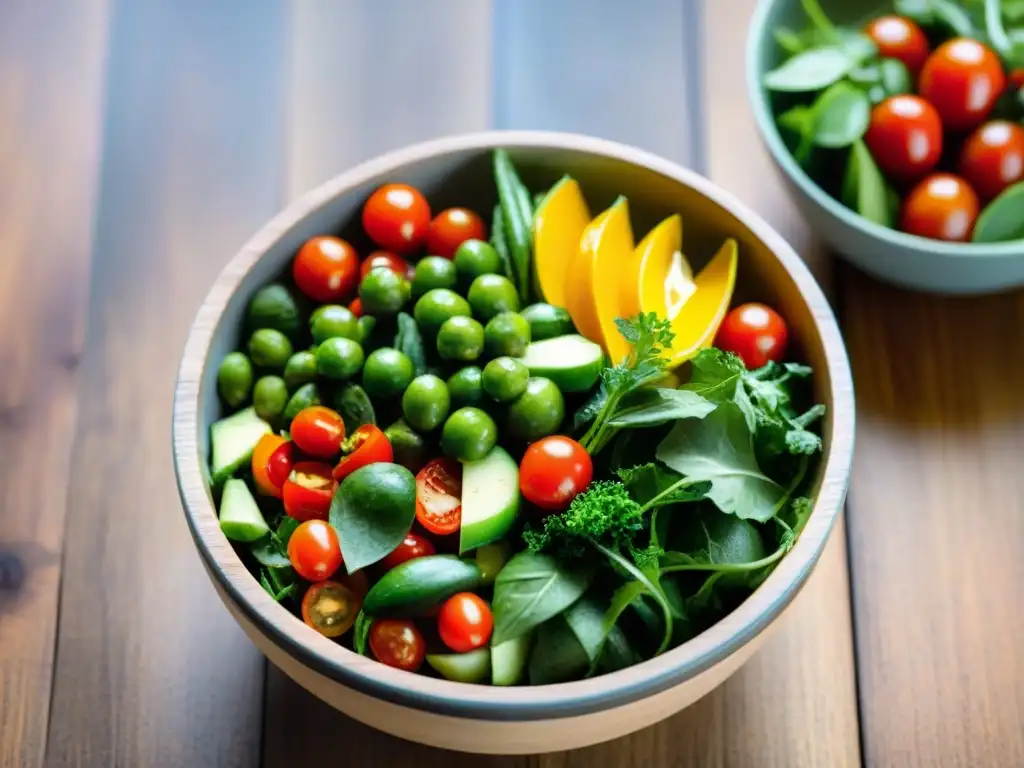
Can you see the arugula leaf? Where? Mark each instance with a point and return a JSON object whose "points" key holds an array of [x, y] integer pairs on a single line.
{"points": [[656, 405], [409, 341], [653, 485], [531, 589]]}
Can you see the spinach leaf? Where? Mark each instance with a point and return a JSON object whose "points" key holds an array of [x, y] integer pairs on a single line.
{"points": [[409, 341], [655, 405], [361, 633], [557, 656], [1003, 218], [354, 407], [895, 77], [654, 485], [720, 449], [531, 589], [586, 619], [864, 187], [716, 539], [841, 116], [811, 70]]}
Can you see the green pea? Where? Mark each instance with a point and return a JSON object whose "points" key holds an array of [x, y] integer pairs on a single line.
{"points": [[269, 348], [387, 372], [339, 358], [465, 386], [303, 397], [275, 306], [490, 295], [435, 307], [234, 379], [269, 397], [433, 272], [505, 379], [469, 434], [460, 338], [538, 412], [300, 369], [333, 320], [366, 326], [507, 333], [474, 258], [425, 403], [547, 321], [383, 292]]}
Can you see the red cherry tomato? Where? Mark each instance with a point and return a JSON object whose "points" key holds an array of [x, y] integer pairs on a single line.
{"points": [[367, 445], [272, 460], [905, 137], [397, 643], [962, 79], [308, 491], [465, 622], [439, 496], [412, 546], [326, 269], [1017, 79], [553, 470], [754, 332], [396, 264], [330, 608], [993, 158], [942, 207], [314, 550], [451, 228], [318, 431], [396, 217], [356, 307], [899, 38]]}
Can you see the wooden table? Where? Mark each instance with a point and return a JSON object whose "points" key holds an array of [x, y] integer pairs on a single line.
{"points": [[142, 141]]}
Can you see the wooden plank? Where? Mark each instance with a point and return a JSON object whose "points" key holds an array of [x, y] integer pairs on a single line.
{"points": [[430, 75], [51, 84], [151, 670], [937, 525]]}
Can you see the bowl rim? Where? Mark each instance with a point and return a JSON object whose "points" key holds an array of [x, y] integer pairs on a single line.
{"points": [[524, 703], [757, 38]]}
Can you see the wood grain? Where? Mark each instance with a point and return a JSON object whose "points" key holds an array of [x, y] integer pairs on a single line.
{"points": [[150, 669], [937, 524], [51, 77]]}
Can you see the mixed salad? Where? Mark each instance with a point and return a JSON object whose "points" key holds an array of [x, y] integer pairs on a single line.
{"points": [[517, 458], [914, 119]]}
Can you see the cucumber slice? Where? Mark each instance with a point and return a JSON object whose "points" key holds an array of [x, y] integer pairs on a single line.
{"points": [[240, 516], [490, 499], [572, 362], [472, 667], [232, 440], [508, 660]]}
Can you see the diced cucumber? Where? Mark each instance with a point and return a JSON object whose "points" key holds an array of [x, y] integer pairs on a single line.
{"points": [[240, 516], [508, 660], [491, 558], [232, 440], [472, 667], [572, 362], [490, 499]]}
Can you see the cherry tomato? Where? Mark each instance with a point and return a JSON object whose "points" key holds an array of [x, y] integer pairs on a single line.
{"points": [[942, 207], [1017, 79], [272, 460], [326, 269], [451, 228], [465, 622], [962, 79], [367, 445], [397, 643], [318, 431], [396, 217], [330, 608], [553, 470], [356, 307], [905, 137], [899, 38], [412, 546], [439, 496], [308, 491], [396, 264], [314, 550], [754, 332], [993, 158]]}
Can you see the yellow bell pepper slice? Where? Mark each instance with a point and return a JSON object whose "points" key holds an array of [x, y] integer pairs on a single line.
{"points": [[558, 225]]}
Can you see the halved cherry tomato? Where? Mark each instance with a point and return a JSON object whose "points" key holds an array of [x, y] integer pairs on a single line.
{"points": [[412, 546], [754, 332], [451, 228], [942, 207], [326, 269], [330, 608], [465, 622], [308, 491], [318, 431], [439, 496], [356, 307], [397, 643], [899, 38], [314, 550], [905, 137], [962, 79], [367, 445], [396, 217], [386, 259], [272, 460], [993, 158], [553, 470]]}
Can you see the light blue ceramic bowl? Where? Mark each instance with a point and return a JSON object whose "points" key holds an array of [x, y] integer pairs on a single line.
{"points": [[906, 260]]}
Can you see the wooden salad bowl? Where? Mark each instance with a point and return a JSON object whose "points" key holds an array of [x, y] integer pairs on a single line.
{"points": [[526, 719]]}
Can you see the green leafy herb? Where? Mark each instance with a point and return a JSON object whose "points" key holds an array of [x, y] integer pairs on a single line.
{"points": [[649, 584], [895, 77], [1003, 218], [354, 407], [276, 582], [656, 405], [531, 589], [267, 553], [789, 41], [653, 485], [409, 341], [1009, 49], [864, 187], [841, 116], [361, 633], [500, 243], [811, 70], [942, 12], [557, 655]]}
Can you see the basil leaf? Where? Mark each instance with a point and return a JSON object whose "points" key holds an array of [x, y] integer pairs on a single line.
{"points": [[896, 78], [719, 449], [841, 116], [1003, 218], [810, 70], [409, 341], [654, 405], [650, 482], [372, 511], [531, 589], [799, 119], [864, 187], [789, 41], [354, 406], [557, 656]]}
